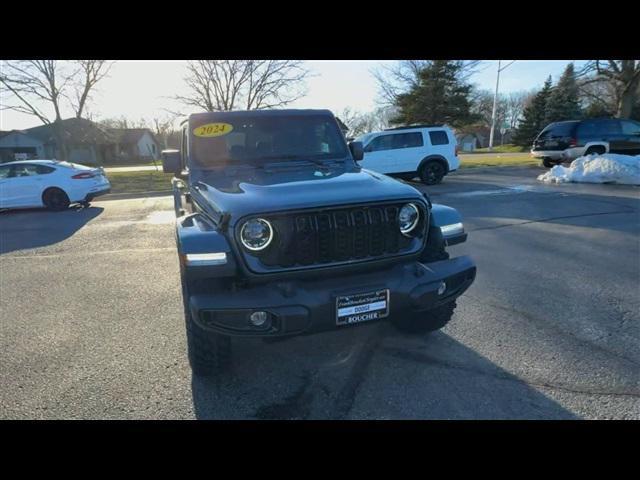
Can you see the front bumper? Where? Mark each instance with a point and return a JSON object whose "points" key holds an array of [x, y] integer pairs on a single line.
{"points": [[309, 306]]}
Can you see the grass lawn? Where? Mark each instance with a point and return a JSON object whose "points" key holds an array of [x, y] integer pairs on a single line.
{"points": [[501, 161], [134, 182], [508, 148], [158, 163]]}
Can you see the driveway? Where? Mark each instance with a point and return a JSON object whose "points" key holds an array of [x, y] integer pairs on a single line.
{"points": [[92, 324]]}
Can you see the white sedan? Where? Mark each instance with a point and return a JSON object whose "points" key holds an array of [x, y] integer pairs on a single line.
{"points": [[49, 183]]}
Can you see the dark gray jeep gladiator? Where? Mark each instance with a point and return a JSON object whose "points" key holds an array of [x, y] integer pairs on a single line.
{"points": [[281, 233]]}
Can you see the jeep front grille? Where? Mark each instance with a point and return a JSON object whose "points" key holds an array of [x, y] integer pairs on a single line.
{"points": [[336, 236]]}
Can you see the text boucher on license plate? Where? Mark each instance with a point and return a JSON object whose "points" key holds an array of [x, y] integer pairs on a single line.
{"points": [[362, 307]]}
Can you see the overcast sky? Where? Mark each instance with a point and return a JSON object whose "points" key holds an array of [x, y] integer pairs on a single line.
{"points": [[139, 89]]}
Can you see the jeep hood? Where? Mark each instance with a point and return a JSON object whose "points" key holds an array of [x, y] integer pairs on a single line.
{"points": [[258, 191]]}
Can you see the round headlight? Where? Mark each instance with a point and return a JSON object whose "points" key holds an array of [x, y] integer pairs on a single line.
{"points": [[408, 218], [256, 234]]}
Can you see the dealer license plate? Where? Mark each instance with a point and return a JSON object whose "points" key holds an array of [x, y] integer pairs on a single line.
{"points": [[362, 307]]}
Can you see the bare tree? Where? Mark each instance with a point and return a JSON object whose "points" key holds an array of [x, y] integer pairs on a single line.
{"points": [[598, 96], [38, 88], [360, 123], [482, 106], [623, 75], [403, 75], [123, 122], [90, 73], [222, 85], [515, 104], [163, 128], [352, 119]]}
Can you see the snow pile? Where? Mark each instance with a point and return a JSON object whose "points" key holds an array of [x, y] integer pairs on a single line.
{"points": [[606, 168]]}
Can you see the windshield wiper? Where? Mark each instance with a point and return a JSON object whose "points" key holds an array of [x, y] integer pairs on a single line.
{"points": [[315, 161]]}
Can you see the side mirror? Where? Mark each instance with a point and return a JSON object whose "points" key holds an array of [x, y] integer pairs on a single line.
{"points": [[171, 161], [356, 150]]}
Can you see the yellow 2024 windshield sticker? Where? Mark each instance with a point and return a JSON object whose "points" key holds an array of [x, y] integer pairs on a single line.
{"points": [[212, 129]]}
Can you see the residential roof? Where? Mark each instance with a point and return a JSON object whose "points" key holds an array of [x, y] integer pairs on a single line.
{"points": [[130, 135], [77, 130]]}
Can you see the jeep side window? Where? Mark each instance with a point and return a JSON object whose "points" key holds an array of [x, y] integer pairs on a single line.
{"points": [[438, 137]]}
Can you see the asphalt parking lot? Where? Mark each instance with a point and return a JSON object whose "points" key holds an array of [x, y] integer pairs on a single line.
{"points": [[92, 325]]}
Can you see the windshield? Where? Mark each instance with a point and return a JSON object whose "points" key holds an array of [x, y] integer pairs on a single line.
{"points": [[262, 139]]}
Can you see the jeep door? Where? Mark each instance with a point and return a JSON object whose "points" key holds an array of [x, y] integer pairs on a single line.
{"points": [[378, 155]]}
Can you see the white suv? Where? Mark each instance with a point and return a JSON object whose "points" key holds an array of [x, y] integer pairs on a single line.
{"points": [[427, 151]]}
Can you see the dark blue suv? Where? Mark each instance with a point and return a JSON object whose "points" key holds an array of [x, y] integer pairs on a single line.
{"points": [[280, 232], [565, 141]]}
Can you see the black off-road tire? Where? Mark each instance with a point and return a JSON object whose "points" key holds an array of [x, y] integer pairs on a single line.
{"points": [[209, 352], [429, 320], [432, 172], [55, 199]]}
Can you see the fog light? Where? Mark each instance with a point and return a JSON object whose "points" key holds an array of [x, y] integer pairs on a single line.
{"points": [[442, 288], [258, 319]]}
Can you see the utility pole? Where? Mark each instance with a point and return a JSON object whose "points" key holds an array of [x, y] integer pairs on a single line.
{"points": [[495, 103]]}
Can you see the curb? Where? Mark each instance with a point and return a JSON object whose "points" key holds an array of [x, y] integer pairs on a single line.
{"points": [[127, 196]]}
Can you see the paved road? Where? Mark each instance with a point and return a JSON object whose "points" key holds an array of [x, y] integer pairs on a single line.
{"points": [[91, 323]]}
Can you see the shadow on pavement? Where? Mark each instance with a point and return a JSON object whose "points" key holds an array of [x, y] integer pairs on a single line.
{"points": [[368, 372], [26, 229]]}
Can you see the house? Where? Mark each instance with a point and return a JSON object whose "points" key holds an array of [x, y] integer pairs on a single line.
{"points": [[86, 141], [467, 142], [477, 136], [133, 144], [18, 142]]}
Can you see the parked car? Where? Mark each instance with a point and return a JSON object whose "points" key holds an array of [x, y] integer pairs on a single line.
{"points": [[565, 141], [280, 232], [427, 151], [49, 183]]}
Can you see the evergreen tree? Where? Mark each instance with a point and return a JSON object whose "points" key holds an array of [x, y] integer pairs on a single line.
{"points": [[439, 96], [533, 117], [564, 101]]}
